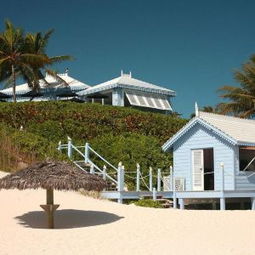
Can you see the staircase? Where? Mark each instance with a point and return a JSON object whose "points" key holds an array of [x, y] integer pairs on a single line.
{"points": [[83, 161]]}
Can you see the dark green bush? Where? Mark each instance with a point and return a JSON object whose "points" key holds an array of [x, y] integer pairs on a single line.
{"points": [[119, 134], [148, 203], [36, 145], [87, 121], [130, 149]]}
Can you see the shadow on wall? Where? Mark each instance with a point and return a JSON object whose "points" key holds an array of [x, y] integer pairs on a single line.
{"points": [[65, 219]]}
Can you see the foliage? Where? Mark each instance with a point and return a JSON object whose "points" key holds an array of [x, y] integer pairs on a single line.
{"points": [[38, 146], [241, 100], [18, 148], [24, 55], [84, 122], [148, 203], [118, 134], [130, 149]]}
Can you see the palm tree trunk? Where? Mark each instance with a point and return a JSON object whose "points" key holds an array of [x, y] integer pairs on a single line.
{"points": [[14, 84]]}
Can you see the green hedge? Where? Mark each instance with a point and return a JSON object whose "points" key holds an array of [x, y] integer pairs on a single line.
{"points": [[119, 134], [86, 121]]}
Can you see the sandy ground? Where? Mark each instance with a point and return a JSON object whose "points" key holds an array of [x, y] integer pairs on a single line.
{"points": [[89, 226]]}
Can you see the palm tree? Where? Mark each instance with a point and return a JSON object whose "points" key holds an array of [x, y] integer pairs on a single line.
{"points": [[25, 57], [37, 44], [241, 99], [14, 60]]}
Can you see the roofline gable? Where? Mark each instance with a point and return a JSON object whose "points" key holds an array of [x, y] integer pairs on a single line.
{"points": [[196, 120]]}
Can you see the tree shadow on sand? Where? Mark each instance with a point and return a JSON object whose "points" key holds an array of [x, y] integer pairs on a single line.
{"points": [[68, 219]]}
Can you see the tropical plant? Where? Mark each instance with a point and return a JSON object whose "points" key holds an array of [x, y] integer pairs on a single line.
{"points": [[241, 100], [14, 60], [37, 44], [24, 56]]}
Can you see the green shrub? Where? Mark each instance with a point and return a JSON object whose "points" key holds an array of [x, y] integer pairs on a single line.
{"points": [[35, 145], [148, 203], [87, 121], [118, 133], [130, 149]]}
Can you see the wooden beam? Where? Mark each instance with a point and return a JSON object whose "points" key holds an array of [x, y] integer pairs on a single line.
{"points": [[50, 208]]}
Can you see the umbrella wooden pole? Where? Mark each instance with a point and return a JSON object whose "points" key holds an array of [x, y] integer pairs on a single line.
{"points": [[50, 208]]}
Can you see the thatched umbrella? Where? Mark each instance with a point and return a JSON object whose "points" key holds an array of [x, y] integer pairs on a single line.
{"points": [[52, 175]]}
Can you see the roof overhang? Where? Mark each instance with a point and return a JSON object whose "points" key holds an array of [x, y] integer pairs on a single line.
{"points": [[196, 120], [96, 89]]}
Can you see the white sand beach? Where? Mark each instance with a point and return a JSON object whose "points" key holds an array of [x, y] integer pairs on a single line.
{"points": [[89, 226]]}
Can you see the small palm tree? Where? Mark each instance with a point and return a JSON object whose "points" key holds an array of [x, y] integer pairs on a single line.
{"points": [[37, 44], [241, 99], [14, 60], [25, 57]]}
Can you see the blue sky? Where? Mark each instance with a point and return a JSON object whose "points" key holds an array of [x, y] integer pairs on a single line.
{"points": [[192, 47]]}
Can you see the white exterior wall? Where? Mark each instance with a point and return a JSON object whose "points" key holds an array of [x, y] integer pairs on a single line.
{"points": [[199, 137], [118, 97]]}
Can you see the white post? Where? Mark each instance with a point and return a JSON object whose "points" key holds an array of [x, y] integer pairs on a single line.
{"points": [[222, 199], [174, 191], [120, 200], [222, 176], [104, 172], [120, 177], [150, 179], [253, 203], [171, 179], [137, 177], [222, 204], [159, 180], [181, 203], [86, 156], [69, 147], [59, 145], [92, 170], [154, 194], [102, 101]]}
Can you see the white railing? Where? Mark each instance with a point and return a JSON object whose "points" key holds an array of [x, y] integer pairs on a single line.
{"points": [[115, 175]]}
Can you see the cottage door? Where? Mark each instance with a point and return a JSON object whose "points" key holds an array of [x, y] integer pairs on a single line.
{"points": [[198, 169]]}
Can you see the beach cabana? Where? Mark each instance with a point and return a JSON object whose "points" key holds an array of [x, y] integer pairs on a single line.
{"points": [[128, 91], [52, 175], [52, 90], [214, 157]]}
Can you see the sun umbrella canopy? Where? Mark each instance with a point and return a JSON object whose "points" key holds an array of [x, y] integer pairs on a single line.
{"points": [[52, 175]]}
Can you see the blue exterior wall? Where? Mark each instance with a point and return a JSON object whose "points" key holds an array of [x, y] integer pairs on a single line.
{"points": [[199, 137]]}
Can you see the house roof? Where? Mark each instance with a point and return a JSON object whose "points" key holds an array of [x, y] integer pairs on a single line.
{"points": [[74, 85], [126, 81], [235, 130]]}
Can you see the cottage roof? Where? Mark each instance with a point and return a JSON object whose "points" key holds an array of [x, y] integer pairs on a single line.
{"points": [[126, 81], [74, 85], [235, 130]]}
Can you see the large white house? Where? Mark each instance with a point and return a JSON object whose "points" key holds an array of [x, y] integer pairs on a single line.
{"points": [[52, 90], [121, 91]]}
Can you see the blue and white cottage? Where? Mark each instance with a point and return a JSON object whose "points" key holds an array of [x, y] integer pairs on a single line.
{"points": [[214, 158], [128, 91]]}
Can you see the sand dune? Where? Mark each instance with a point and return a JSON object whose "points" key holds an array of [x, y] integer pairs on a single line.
{"points": [[88, 226]]}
